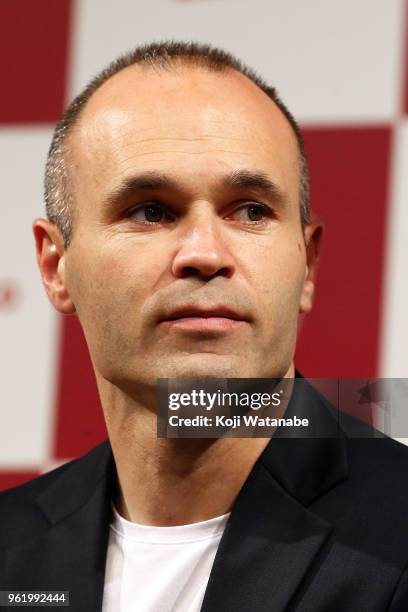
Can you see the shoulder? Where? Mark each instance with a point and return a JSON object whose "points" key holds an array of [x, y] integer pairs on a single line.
{"points": [[370, 452], [379, 463]]}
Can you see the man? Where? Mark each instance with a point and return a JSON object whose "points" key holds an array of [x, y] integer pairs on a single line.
{"points": [[179, 233]]}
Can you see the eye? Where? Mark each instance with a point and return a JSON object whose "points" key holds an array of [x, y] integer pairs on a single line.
{"points": [[252, 213], [149, 213]]}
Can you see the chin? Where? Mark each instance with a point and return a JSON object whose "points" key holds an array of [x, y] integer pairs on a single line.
{"points": [[207, 365]]}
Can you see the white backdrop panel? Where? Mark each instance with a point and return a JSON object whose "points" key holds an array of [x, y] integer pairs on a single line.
{"points": [[28, 329], [395, 327], [332, 61]]}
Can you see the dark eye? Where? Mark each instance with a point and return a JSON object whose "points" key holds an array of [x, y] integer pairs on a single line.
{"points": [[151, 212], [255, 212], [252, 213]]}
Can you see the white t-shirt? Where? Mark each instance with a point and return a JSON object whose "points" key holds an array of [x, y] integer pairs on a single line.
{"points": [[159, 569]]}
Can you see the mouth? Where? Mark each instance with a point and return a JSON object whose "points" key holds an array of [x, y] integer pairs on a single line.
{"points": [[218, 319]]}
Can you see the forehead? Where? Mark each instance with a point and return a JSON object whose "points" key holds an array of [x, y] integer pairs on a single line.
{"points": [[182, 117]]}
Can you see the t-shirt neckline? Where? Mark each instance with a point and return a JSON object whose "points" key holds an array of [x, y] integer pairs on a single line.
{"points": [[177, 534]]}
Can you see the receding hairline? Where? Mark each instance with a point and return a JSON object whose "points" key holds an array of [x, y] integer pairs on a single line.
{"points": [[184, 63]]}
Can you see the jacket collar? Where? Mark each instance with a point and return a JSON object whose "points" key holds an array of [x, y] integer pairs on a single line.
{"points": [[307, 465]]}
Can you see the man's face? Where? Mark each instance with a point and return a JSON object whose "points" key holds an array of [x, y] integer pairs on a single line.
{"points": [[172, 211]]}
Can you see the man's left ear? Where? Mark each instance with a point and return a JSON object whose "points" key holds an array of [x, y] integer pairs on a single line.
{"points": [[313, 235]]}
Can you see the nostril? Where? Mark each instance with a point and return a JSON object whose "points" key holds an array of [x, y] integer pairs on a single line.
{"points": [[192, 271], [189, 271]]}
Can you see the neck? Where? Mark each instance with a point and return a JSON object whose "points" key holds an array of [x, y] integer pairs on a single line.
{"points": [[166, 482]]}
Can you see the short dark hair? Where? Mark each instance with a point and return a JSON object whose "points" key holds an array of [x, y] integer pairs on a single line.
{"points": [[57, 185]]}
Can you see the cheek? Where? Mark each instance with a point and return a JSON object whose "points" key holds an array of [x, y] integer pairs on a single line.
{"points": [[108, 287], [113, 271], [280, 262], [279, 281]]}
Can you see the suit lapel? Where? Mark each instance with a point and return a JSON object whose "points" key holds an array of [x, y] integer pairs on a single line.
{"points": [[71, 555], [265, 551], [272, 539]]}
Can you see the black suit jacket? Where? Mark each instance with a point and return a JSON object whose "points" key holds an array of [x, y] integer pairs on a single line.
{"points": [[319, 525]]}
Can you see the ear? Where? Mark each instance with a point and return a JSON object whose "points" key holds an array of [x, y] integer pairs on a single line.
{"points": [[313, 235], [50, 253]]}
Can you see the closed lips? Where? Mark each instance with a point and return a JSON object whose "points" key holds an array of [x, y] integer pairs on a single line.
{"points": [[204, 313]]}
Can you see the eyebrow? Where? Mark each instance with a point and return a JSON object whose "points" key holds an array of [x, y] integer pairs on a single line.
{"points": [[147, 181], [238, 179], [257, 181]]}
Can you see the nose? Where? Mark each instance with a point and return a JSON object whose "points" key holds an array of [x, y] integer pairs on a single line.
{"points": [[203, 250]]}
